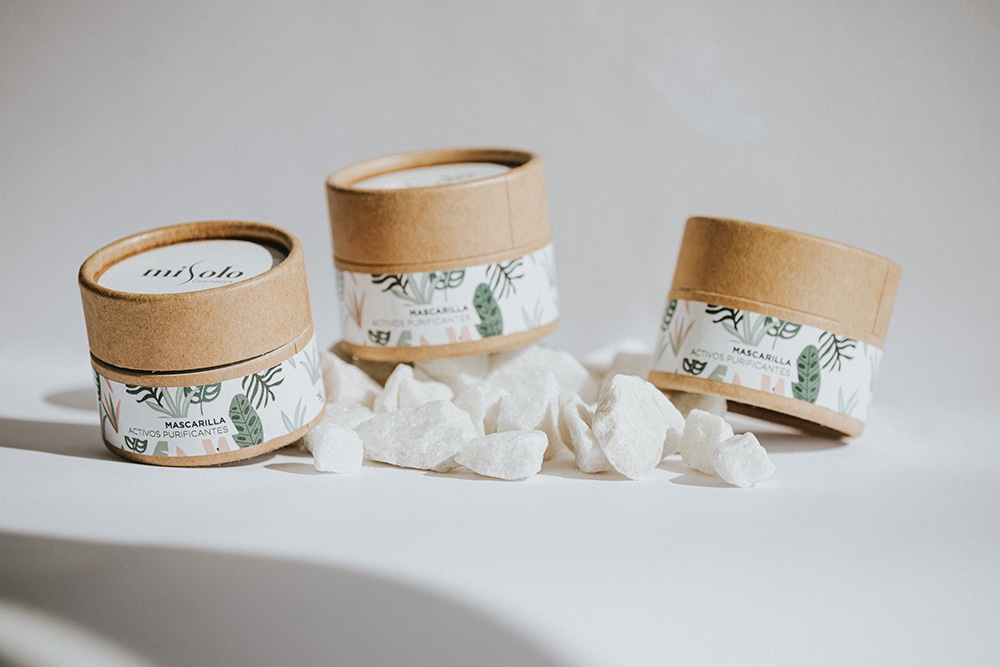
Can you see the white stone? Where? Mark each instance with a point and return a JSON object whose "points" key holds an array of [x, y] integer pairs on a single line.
{"points": [[703, 432], [672, 442], [346, 415], [567, 398], [575, 419], [507, 455], [686, 401], [482, 402], [376, 370], [629, 425], [742, 461], [416, 393], [403, 390], [532, 404], [672, 417], [347, 384], [426, 437], [509, 367], [335, 448], [459, 373], [388, 400]]}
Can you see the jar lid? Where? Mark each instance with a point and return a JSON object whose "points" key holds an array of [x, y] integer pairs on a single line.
{"points": [[787, 274], [444, 223], [194, 296]]}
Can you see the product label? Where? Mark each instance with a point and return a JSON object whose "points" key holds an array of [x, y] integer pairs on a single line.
{"points": [[190, 267], [213, 418], [768, 354], [438, 174], [444, 307]]}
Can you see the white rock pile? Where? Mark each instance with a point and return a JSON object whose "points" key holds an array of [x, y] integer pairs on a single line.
{"points": [[502, 415]]}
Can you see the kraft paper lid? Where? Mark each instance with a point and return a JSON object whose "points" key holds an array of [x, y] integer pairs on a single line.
{"points": [[445, 226], [791, 275], [196, 330]]}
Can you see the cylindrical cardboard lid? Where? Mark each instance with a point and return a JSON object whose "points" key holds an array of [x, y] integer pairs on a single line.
{"points": [[787, 274], [192, 330], [444, 226]]}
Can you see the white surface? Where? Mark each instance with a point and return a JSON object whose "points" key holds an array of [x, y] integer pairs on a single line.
{"points": [[439, 174], [881, 551], [189, 267], [29, 638], [870, 125]]}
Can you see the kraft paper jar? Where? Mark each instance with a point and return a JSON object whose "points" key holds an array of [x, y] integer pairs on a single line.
{"points": [[786, 326], [442, 253], [201, 341]]}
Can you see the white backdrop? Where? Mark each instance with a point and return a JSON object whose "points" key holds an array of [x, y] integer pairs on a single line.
{"points": [[873, 124]]}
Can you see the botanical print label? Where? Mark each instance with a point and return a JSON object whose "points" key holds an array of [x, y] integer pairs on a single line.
{"points": [[213, 418], [443, 307], [190, 267], [768, 354]]}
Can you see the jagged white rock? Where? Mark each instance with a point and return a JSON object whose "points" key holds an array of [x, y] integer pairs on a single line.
{"points": [[575, 419], [742, 461], [403, 390], [532, 404], [703, 432], [530, 388], [507, 455], [482, 402], [672, 442], [630, 426], [425, 437], [346, 414], [672, 417], [345, 383], [459, 373], [335, 448], [510, 367]]}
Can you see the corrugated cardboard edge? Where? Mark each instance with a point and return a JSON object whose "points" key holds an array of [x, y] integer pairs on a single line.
{"points": [[439, 227], [196, 330], [426, 352]]}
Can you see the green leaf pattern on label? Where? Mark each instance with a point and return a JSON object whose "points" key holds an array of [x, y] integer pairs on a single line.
{"points": [[213, 418], [260, 387], [766, 353], [249, 430], [453, 306], [491, 319], [807, 388]]}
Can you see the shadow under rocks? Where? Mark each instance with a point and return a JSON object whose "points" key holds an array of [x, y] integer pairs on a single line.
{"points": [[193, 607], [689, 477]]}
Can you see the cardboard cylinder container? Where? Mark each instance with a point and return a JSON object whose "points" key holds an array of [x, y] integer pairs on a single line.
{"points": [[442, 253], [201, 341], [786, 326]]}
